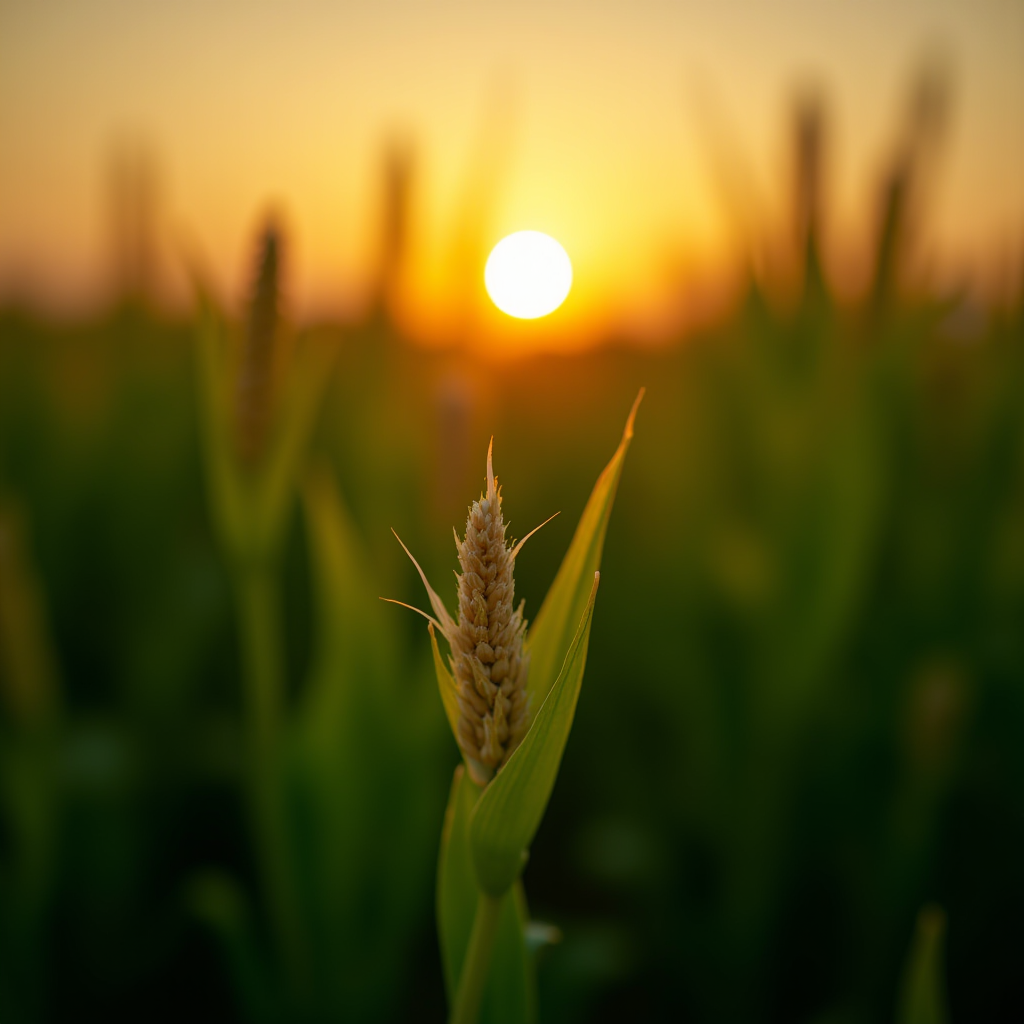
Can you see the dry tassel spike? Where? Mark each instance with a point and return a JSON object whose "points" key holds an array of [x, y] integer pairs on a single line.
{"points": [[488, 664]]}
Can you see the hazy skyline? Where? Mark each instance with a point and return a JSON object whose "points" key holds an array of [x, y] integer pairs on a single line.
{"points": [[594, 131]]}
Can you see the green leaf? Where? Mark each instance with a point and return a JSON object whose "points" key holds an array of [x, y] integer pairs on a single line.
{"points": [[510, 994], [446, 684], [336, 724], [828, 541], [354, 642], [306, 384], [364, 808], [509, 812], [211, 346], [923, 991], [251, 505], [566, 601]]}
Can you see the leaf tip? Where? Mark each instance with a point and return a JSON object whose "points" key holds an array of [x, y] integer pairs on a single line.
{"points": [[519, 547], [443, 620], [419, 611], [627, 434]]}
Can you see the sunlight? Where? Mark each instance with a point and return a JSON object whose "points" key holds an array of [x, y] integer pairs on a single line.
{"points": [[528, 275]]}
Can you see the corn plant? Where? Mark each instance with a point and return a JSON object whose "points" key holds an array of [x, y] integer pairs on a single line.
{"points": [[258, 407], [510, 701], [340, 876]]}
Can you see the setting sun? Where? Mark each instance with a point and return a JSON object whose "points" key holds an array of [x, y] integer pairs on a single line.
{"points": [[528, 275]]}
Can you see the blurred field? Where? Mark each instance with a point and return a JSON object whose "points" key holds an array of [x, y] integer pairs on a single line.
{"points": [[803, 714]]}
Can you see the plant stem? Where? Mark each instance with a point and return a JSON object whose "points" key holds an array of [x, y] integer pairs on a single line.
{"points": [[476, 966], [262, 658]]}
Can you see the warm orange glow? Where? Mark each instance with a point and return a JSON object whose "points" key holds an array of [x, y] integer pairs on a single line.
{"points": [[598, 137]]}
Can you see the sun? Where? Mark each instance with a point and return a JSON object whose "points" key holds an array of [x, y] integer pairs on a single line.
{"points": [[528, 275]]}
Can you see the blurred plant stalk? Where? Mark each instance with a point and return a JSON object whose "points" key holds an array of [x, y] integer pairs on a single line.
{"points": [[27, 671], [922, 997], [258, 408], [510, 700], [30, 726]]}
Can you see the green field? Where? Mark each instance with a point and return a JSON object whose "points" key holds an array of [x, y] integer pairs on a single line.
{"points": [[802, 719]]}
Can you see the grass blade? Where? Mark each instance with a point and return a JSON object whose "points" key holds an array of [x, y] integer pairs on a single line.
{"points": [[509, 812], [509, 996]]}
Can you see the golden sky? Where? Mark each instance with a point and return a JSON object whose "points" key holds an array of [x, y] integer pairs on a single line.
{"points": [[589, 114]]}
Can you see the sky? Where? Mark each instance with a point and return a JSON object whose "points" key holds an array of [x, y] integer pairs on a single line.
{"points": [[589, 121]]}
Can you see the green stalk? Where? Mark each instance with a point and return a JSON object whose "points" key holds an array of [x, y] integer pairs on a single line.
{"points": [[262, 659], [477, 964]]}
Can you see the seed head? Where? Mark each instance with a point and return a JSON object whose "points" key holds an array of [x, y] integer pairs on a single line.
{"points": [[487, 643], [488, 664]]}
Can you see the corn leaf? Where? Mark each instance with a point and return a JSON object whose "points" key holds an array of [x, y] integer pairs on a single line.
{"points": [[566, 601], [509, 812], [354, 638], [509, 997], [360, 737], [251, 507], [307, 383]]}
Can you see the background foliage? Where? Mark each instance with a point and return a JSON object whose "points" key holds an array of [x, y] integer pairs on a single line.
{"points": [[804, 702]]}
